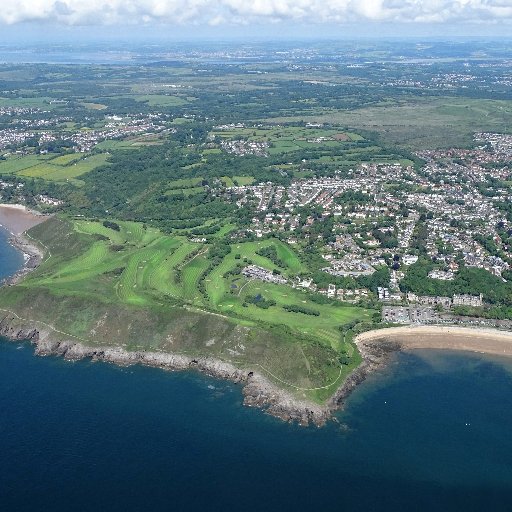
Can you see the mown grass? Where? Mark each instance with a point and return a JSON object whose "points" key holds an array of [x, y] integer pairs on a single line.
{"points": [[293, 138]]}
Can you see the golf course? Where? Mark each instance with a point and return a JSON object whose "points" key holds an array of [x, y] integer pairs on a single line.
{"points": [[125, 283]]}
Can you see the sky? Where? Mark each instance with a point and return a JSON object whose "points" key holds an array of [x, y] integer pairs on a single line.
{"points": [[22, 20]]}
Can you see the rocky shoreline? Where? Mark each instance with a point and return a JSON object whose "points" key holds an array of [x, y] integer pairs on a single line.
{"points": [[19, 219], [376, 348], [258, 391], [375, 357], [33, 258]]}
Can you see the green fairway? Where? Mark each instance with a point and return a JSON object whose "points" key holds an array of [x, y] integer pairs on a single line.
{"points": [[192, 272]]}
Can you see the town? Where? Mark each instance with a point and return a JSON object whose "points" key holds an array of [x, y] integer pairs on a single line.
{"points": [[449, 214]]}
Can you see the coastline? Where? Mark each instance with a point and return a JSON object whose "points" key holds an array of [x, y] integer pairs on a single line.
{"points": [[468, 339], [16, 219], [33, 256], [258, 391], [376, 348]]}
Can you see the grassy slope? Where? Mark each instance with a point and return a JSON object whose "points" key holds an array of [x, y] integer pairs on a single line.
{"points": [[140, 288]]}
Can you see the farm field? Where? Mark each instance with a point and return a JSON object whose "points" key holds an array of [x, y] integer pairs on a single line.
{"points": [[290, 139], [35, 102], [60, 169], [325, 145], [139, 267], [161, 100]]}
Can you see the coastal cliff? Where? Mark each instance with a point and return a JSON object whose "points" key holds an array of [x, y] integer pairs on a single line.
{"points": [[182, 338], [258, 391]]}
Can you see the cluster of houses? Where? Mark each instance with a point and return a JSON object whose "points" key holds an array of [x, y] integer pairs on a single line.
{"points": [[446, 81], [424, 315], [349, 267], [446, 302], [115, 127], [14, 137], [246, 147]]}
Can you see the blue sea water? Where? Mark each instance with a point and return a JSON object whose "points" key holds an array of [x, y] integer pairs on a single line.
{"points": [[431, 432], [10, 259]]}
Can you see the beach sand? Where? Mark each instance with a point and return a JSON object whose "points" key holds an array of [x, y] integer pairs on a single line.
{"points": [[485, 341], [17, 218]]}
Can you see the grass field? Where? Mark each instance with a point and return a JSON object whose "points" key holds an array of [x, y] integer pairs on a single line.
{"points": [[292, 138], [326, 145], [140, 272], [60, 168], [424, 123], [94, 106], [35, 102], [161, 100]]}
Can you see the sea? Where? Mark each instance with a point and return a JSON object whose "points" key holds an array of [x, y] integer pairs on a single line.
{"points": [[433, 431]]}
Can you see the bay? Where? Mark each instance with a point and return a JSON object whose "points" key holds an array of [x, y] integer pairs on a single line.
{"points": [[431, 432]]}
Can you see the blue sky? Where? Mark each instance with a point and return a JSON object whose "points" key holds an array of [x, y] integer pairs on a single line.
{"points": [[24, 20]]}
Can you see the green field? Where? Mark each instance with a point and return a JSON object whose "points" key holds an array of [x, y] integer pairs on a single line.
{"points": [[35, 102], [424, 123], [292, 138], [161, 100], [325, 145], [93, 270], [62, 168]]}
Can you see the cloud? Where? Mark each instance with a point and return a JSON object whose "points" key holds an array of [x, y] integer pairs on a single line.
{"points": [[218, 12]]}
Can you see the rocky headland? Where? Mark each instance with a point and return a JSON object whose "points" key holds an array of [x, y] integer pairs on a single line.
{"points": [[258, 391]]}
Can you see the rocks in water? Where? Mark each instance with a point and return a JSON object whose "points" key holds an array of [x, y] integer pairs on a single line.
{"points": [[375, 356], [259, 392], [33, 258], [9, 330]]}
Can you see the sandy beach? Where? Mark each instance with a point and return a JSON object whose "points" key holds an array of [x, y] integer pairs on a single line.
{"points": [[378, 346], [17, 218], [485, 341]]}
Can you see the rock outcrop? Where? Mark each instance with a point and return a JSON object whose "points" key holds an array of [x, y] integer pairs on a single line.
{"points": [[33, 258], [375, 356], [258, 391]]}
